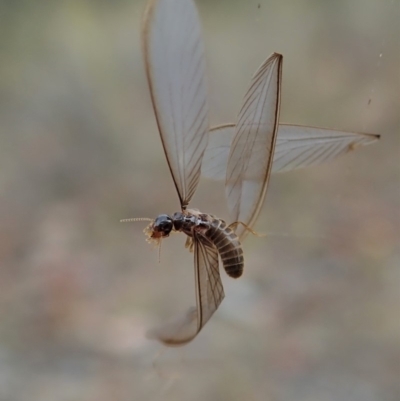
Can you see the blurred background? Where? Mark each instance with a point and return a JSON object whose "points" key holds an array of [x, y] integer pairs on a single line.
{"points": [[316, 314]]}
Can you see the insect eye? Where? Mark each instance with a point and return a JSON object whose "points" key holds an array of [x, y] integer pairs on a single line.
{"points": [[163, 224]]}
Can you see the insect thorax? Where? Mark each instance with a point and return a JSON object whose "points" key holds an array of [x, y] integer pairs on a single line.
{"points": [[191, 220]]}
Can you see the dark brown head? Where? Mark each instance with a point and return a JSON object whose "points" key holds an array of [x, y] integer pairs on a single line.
{"points": [[162, 226], [157, 229]]}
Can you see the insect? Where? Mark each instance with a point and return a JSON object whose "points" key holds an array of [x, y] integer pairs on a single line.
{"points": [[242, 154]]}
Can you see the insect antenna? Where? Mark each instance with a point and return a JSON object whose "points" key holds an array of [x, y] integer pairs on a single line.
{"points": [[136, 219], [159, 252], [148, 230]]}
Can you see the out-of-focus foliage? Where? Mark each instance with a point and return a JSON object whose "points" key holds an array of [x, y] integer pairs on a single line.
{"points": [[316, 315]]}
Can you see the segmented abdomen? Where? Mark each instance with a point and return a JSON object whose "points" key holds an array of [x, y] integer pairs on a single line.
{"points": [[228, 246]]}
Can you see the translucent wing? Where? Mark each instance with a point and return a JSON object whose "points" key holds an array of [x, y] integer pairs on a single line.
{"points": [[175, 67], [215, 159], [251, 153], [209, 295], [296, 147], [299, 146]]}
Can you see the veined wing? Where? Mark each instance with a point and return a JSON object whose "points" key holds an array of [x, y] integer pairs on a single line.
{"points": [[209, 295], [251, 153], [215, 159], [175, 66], [296, 147]]}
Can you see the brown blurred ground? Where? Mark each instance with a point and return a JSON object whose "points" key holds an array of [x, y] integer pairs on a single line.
{"points": [[316, 315]]}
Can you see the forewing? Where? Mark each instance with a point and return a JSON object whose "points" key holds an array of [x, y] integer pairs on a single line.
{"points": [[251, 153], [296, 147], [175, 66], [209, 295]]}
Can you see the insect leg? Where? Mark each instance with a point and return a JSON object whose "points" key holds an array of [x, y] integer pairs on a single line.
{"points": [[233, 226], [189, 243]]}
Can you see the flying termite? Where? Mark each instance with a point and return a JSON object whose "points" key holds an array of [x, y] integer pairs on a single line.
{"points": [[243, 154]]}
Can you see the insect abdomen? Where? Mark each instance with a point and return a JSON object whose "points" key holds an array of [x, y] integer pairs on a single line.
{"points": [[228, 246]]}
